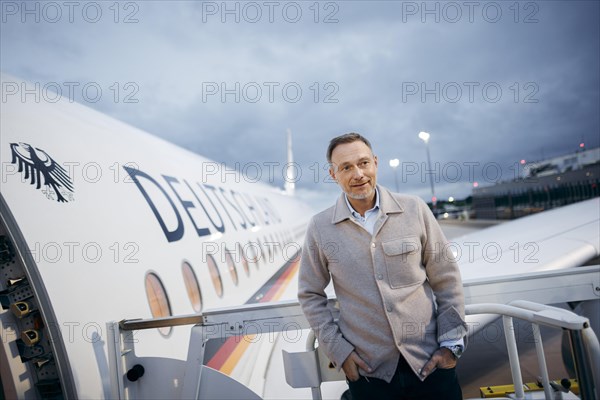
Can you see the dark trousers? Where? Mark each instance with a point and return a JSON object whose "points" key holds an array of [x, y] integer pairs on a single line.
{"points": [[442, 384]]}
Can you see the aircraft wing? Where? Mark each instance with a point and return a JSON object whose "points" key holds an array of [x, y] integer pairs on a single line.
{"points": [[563, 237]]}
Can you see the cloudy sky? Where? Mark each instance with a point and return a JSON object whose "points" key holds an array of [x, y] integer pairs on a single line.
{"points": [[492, 82]]}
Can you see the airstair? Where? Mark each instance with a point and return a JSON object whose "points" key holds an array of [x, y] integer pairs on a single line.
{"points": [[310, 368]]}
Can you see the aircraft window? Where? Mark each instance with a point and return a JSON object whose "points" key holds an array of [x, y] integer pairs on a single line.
{"points": [[274, 241], [262, 250], [244, 260], [269, 247], [215, 274], [158, 300], [231, 266], [253, 251], [192, 286]]}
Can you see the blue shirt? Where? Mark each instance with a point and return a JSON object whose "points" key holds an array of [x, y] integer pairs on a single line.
{"points": [[368, 221]]}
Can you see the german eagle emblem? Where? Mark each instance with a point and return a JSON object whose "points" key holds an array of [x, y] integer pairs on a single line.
{"points": [[37, 164]]}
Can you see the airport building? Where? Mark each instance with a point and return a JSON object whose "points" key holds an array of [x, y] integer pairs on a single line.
{"points": [[545, 184]]}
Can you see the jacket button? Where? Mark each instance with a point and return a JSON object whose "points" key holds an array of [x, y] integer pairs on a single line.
{"points": [[373, 245], [380, 277], [389, 308]]}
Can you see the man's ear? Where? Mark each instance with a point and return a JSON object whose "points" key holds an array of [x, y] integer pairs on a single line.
{"points": [[375, 159], [332, 173]]}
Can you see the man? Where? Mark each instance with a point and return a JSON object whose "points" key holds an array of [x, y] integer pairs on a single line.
{"points": [[401, 323]]}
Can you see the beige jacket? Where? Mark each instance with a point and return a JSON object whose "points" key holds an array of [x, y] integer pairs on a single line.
{"points": [[399, 290]]}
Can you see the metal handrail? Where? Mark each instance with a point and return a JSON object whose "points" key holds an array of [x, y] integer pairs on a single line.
{"points": [[582, 338], [274, 317]]}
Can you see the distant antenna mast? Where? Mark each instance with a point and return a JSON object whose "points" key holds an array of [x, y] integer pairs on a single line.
{"points": [[289, 184]]}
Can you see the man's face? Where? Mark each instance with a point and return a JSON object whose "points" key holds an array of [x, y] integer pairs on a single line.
{"points": [[354, 167]]}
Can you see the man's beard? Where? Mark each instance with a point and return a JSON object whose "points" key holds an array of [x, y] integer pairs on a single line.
{"points": [[360, 196]]}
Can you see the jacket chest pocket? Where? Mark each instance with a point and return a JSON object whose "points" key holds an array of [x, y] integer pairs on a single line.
{"points": [[403, 262]]}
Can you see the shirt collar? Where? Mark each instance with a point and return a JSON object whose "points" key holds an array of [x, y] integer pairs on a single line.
{"points": [[355, 213], [388, 205]]}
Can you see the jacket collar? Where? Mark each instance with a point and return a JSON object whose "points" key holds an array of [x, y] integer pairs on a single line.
{"points": [[387, 204]]}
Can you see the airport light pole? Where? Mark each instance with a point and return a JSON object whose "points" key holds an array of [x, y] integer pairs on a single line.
{"points": [[394, 164], [424, 136]]}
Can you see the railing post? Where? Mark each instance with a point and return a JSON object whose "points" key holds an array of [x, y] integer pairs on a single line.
{"points": [[583, 368], [539, 349], [513, 356], [114, 360], [310, 346], [195, 360]]}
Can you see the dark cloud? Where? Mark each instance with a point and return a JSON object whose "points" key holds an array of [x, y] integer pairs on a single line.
{"points": [[357, 74]]}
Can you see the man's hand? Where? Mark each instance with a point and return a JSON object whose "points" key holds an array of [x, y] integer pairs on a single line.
{"points": [[351, 365], [442, 358]]}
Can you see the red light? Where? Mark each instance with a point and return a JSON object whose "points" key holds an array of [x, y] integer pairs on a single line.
{"points": [[434, 199], [475, 184], [522, 162], [581, 145]]}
